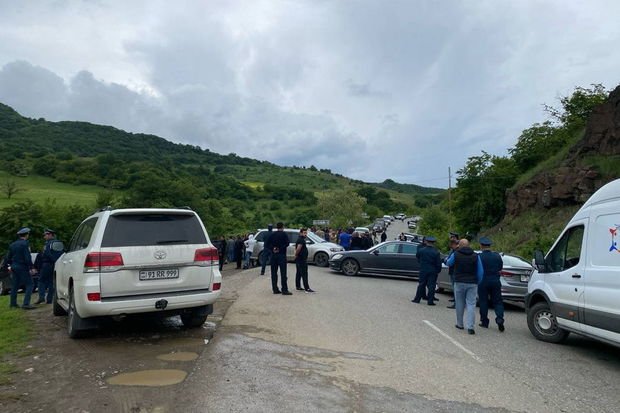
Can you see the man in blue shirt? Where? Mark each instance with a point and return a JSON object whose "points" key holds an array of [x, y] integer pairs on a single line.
{"points": [[345, 240], [492, 264], [20, 262], [468, 273]]}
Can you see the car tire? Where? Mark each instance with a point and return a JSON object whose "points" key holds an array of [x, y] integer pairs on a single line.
{"points": [[73, 319], [5, 286], [543, 325], [350, 267], [193, 321], [321, 259]]}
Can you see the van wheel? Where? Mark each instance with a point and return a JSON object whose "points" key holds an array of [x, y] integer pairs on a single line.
{"points": [[193, 321], [350, 267], [543, 325], [73, 319], [321, 259]]}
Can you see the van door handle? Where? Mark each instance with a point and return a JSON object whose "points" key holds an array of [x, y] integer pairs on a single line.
{"points": [[576, 275]]}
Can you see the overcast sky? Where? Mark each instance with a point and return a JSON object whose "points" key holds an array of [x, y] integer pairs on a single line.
{"points": [[372, 89]]}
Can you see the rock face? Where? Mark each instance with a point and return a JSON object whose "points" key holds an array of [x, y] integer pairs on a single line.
{"points": [[572, 184]]}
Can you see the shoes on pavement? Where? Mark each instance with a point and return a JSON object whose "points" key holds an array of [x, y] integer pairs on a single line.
{"points": [[39, 301], [458, 326], [262, 273], [287, 293], [451, 306], [432, 304], [28, 307], [277, 292], [501, 327], [299, 289], [310, 290], [483, 325], [470, 331], [415, 301]]}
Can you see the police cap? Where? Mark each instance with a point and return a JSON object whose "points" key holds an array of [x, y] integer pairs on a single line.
{"points": [[454, 234], [486, 241], [23, 231], [49, 231], [431, 239]]}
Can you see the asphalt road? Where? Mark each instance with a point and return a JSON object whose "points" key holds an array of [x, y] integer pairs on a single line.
{"points": [[360, 345]]}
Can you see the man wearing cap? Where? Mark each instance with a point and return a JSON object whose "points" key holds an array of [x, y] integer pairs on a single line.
{"points": [[48, 259], [492, 264], [430, 265], [20, 262]]}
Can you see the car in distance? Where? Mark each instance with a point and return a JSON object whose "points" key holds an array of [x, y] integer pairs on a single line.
{"points": [[394, 258], [514, 278], [319, 250], [362, 230], [122, 262]]}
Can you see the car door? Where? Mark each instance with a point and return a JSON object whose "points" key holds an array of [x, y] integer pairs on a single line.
{"points": [[290, 250], [384, 259], [566, 262], [407, 263]]}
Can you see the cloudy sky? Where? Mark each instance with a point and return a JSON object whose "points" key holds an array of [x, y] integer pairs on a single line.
{"points": [[372, 89]]}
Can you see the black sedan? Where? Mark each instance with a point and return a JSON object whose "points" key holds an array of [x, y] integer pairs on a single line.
{"points": [[394, 258]]}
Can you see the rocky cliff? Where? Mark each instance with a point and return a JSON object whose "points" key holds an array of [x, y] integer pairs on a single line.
{"points": [[573, 182]]}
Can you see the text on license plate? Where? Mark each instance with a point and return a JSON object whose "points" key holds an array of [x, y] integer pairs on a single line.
{"points": [[525, 278], [158, 274]]}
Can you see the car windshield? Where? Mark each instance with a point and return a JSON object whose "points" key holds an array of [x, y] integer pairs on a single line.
{"points": [[315, 238], [152, 229]]}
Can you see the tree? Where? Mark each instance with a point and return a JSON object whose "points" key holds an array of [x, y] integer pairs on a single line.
{"points": [[341, 207], [11, 188]]}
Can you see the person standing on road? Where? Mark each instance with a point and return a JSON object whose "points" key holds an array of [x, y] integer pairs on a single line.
{"points": [[249, 248], [301, 262], [265, 256], [468, 272], [20, 263], [454, 244], [239, 251], [230, 248], [430, 266], [345, 240], [46, 273], [221, 251], [279, 243], [492, 264], [384, 235]]}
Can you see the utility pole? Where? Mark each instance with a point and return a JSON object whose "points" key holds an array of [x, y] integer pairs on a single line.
{"points": [[450, 198]]}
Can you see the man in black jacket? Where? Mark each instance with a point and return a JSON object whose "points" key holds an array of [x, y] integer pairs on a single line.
{"points": [[430, 266], [279, 243]]}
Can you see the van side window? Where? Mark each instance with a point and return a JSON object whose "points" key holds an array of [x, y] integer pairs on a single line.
{"points": [[567, 251]]}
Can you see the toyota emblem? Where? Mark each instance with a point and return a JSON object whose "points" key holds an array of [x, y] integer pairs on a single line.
{"points": [[159, 255]]}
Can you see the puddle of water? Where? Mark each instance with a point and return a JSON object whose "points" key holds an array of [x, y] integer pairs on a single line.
{"points": [[151, 378], [180, 356], [181, 342]]}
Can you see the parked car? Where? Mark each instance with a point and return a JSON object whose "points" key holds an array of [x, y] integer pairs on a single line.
{"points": [[379, 226], [394, 258], [134, 261], [319, 250], [5, 277], [575, 287], [514, 277], [362, 229], [400, 216]]}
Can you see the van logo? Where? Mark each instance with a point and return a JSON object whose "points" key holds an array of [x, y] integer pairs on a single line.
{"points": [[159, 255], [614, 233]]}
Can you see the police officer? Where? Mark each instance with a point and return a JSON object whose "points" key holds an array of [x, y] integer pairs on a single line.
{"points": [[490, 285], [22, 269], [279, 243], [301, 262], [48, 259], [430, 265], [267, 249]]}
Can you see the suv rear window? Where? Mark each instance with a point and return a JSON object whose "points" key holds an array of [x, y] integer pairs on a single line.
{"points": [[152, 229]]}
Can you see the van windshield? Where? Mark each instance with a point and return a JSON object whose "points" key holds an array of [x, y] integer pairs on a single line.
{"points": [[152, 229]]}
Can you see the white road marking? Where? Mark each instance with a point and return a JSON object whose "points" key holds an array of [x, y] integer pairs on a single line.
{"points": [[453, 341]]}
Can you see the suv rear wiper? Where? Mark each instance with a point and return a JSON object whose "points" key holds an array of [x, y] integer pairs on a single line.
{"points": [[172, 241]]}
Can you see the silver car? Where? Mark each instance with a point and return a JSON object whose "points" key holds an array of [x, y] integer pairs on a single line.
{"points": [[514, 278], [319, 250]]}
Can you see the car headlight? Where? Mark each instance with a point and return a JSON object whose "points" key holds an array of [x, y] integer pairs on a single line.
{"points": [[337, 256], [336, 249]]}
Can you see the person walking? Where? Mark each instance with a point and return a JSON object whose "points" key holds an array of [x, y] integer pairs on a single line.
{"points": [[20, 263], [429, 260], [49, 256], [221, 251], [265, 256], [301, 262], [492, 264], [279, 243], [467, 274]]}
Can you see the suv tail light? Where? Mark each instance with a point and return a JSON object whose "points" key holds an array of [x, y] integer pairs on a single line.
{"points": [[103, 262], [507, 274], [206, 256]]}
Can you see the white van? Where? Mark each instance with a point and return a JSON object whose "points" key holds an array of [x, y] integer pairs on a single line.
{"points": [[576, 286]]}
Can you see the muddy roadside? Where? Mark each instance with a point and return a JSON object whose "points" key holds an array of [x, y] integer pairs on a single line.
{"points": [[137, 365]]}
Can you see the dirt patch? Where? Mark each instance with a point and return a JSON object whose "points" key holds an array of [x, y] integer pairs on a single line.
{"points": [[54, 366]]}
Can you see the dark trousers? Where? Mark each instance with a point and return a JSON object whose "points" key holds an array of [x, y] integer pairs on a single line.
{"points": [[46, 283], [278, 261], [493, 289], [222, 258], [238, 258], [302, 274], [426, 280], [20, 277], [265, 257]]}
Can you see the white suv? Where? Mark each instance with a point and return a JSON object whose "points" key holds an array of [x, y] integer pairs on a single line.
{"points": [[319, 250], [130, 261]]}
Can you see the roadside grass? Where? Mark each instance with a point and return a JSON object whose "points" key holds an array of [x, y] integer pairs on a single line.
{"points": [[15, 332], [40, 188]]}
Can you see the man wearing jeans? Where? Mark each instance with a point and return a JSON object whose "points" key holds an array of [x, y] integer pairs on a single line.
{"points": [[468, 272]]}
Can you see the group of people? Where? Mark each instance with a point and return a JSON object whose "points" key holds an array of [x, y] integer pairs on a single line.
{"points": [[472, 275], [19, 264], [236, 249], [353, 240]]}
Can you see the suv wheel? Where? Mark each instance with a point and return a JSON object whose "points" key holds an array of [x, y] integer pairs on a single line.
{"points": [[73, 319], [543, 325], [350, 267], [321, 259], [193, 321]]}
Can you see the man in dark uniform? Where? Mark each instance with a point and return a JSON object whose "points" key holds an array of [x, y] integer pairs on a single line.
{"points": [[20, 261], [46, 273], [430, 265], [492, 264], [301, 262], [267, 249], [221, 251], [279, 243]]}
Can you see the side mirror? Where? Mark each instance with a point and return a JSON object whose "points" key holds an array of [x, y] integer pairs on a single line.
{"points": [[539, 261]]}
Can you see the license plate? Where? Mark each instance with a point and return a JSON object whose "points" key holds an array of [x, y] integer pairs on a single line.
{"points": [[525, 278], [146, 275]]}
